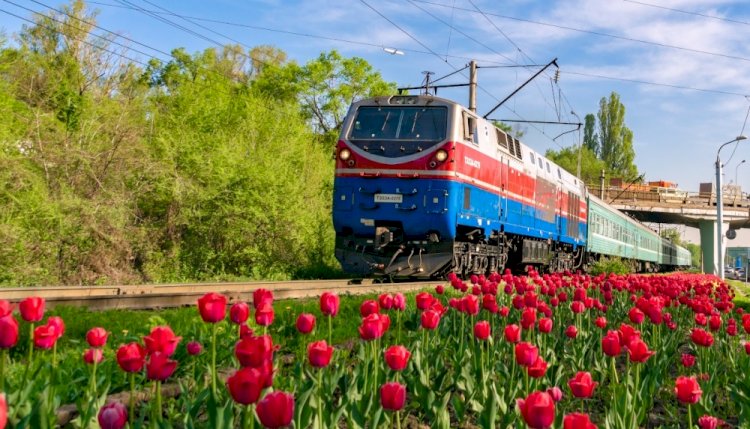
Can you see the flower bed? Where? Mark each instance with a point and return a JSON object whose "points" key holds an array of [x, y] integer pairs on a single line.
{"points": [[568, 351]]}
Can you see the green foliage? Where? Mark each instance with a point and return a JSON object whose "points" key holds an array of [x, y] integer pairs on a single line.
{"points": [[515, 131], [695, 254], [590, 138], [610, 266], [567, 158], [672, 234], [193, 169], [615, 138]]}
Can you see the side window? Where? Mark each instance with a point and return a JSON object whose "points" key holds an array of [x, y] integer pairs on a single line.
{"points": [[502, 139], [531, 156], [540, 164], [559, 175], [470, 127], [548, 169]]}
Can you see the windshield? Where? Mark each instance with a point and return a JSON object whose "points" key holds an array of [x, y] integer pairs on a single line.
{"points": [[395, 131]]}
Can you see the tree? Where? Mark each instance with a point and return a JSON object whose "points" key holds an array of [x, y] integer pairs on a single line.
{"points": [[673, 235], [324, 87], [695, 254], [616, 139], [567, 158], [590, 139]]}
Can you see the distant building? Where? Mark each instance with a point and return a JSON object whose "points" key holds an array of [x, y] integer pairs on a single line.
{"points": [[737, 257]]}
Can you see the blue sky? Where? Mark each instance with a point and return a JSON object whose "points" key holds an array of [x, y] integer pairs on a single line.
{"points": [[675, 43]]}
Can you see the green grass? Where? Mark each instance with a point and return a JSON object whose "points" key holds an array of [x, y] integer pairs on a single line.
{"points": [[742, 298]]}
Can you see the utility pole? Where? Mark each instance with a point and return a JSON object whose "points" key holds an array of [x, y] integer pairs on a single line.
{"points": [[473, 86], [601, 186]]}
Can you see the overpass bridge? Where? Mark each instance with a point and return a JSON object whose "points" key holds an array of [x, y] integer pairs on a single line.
{"points": [[694, 209]]}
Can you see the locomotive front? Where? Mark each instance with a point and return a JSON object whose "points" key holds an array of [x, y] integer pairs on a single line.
{"points": [[391, 207]]}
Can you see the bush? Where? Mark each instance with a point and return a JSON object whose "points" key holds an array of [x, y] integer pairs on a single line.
{"points": [[610, 265]]}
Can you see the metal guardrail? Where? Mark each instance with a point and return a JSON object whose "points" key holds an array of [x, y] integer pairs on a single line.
{"points": [[615, 194], [134, 297]]}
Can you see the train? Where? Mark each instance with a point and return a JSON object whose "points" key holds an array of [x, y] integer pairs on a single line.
{"points": [[424, 186]]}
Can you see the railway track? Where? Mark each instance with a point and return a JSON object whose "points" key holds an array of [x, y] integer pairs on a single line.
{"points": [[141, 297]]}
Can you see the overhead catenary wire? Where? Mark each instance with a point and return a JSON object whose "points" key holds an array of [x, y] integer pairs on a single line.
{"points": [[599, 33], [416, 51], [686, 12]]}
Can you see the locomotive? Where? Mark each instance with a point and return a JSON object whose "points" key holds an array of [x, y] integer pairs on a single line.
{"points": [[424, 186]]}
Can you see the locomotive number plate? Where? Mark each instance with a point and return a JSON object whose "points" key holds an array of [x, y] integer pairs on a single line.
{"points": [[389, 198]]}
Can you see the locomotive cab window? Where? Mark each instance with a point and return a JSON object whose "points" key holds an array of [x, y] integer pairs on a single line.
{"points": [[398, 130], [470, 127]]}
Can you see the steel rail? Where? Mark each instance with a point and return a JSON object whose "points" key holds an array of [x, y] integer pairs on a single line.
{"points": [[150, 296]]}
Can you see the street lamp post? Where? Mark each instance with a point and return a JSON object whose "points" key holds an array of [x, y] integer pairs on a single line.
{"points": [[719, 263], [735, 171]]}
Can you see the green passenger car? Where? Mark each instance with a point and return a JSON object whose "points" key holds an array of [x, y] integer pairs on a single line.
{"points": [[613, 234]]}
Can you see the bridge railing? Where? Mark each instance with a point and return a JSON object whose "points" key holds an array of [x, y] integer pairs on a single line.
{"points": [[616, 194]]}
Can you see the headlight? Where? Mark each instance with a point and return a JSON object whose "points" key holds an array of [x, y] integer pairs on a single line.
{"points": [[345, 154], [441, 155]]}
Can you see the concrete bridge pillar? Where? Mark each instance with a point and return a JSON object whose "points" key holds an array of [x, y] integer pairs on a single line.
{"points": [[711, 264]]}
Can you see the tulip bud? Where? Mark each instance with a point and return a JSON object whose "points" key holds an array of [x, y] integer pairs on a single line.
{"points": [[276, 410], [92, 356], [112, 416], [392, 396], [194, 348]]}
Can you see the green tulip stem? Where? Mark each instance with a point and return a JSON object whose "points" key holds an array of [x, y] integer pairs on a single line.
{"points": [[526, 380], [398, 420], [248, 419], [92, 386], [614, 370], [213, 359], [690, 417], [398, 326], [330, 329], [320, 398], [3, 355], [31, 351], [131, 416], [158, 412]]}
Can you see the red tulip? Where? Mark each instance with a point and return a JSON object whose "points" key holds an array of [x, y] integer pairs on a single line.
{"points": [[545, 325], [305, 323], [319, 354], [688, 360], [212, 307], [701, 319], [512, 333], [578, 421], [264, 314], [601, 322], [32, 309], [262, 296], [638, 351], [702, 338], [687, 390], [430, 319], [714, 323], [58, 324], [392, 396], [246, 331], [555, 393], [160, 367], [582, 385], [538, 368], [131, 357], [112, 416], [397, 357], [245, 385], [386, 301], [45, 337], [528, 318], [571, 332], [373, 326], [6, 308], [329, 304], [254, 351], [97, 337], [439, 289], [3, 411], [526, 354], [161, 340], [399, 301], [611, 344], [239, 312], [93, 355], [710, 422], [636, 316], [538, 410], [577, 307], [276, 410], [8, 332], [368, 307], [747, 348], [482, 330], [194, 348], [628, 334], [504, 311], [424, 300]]}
